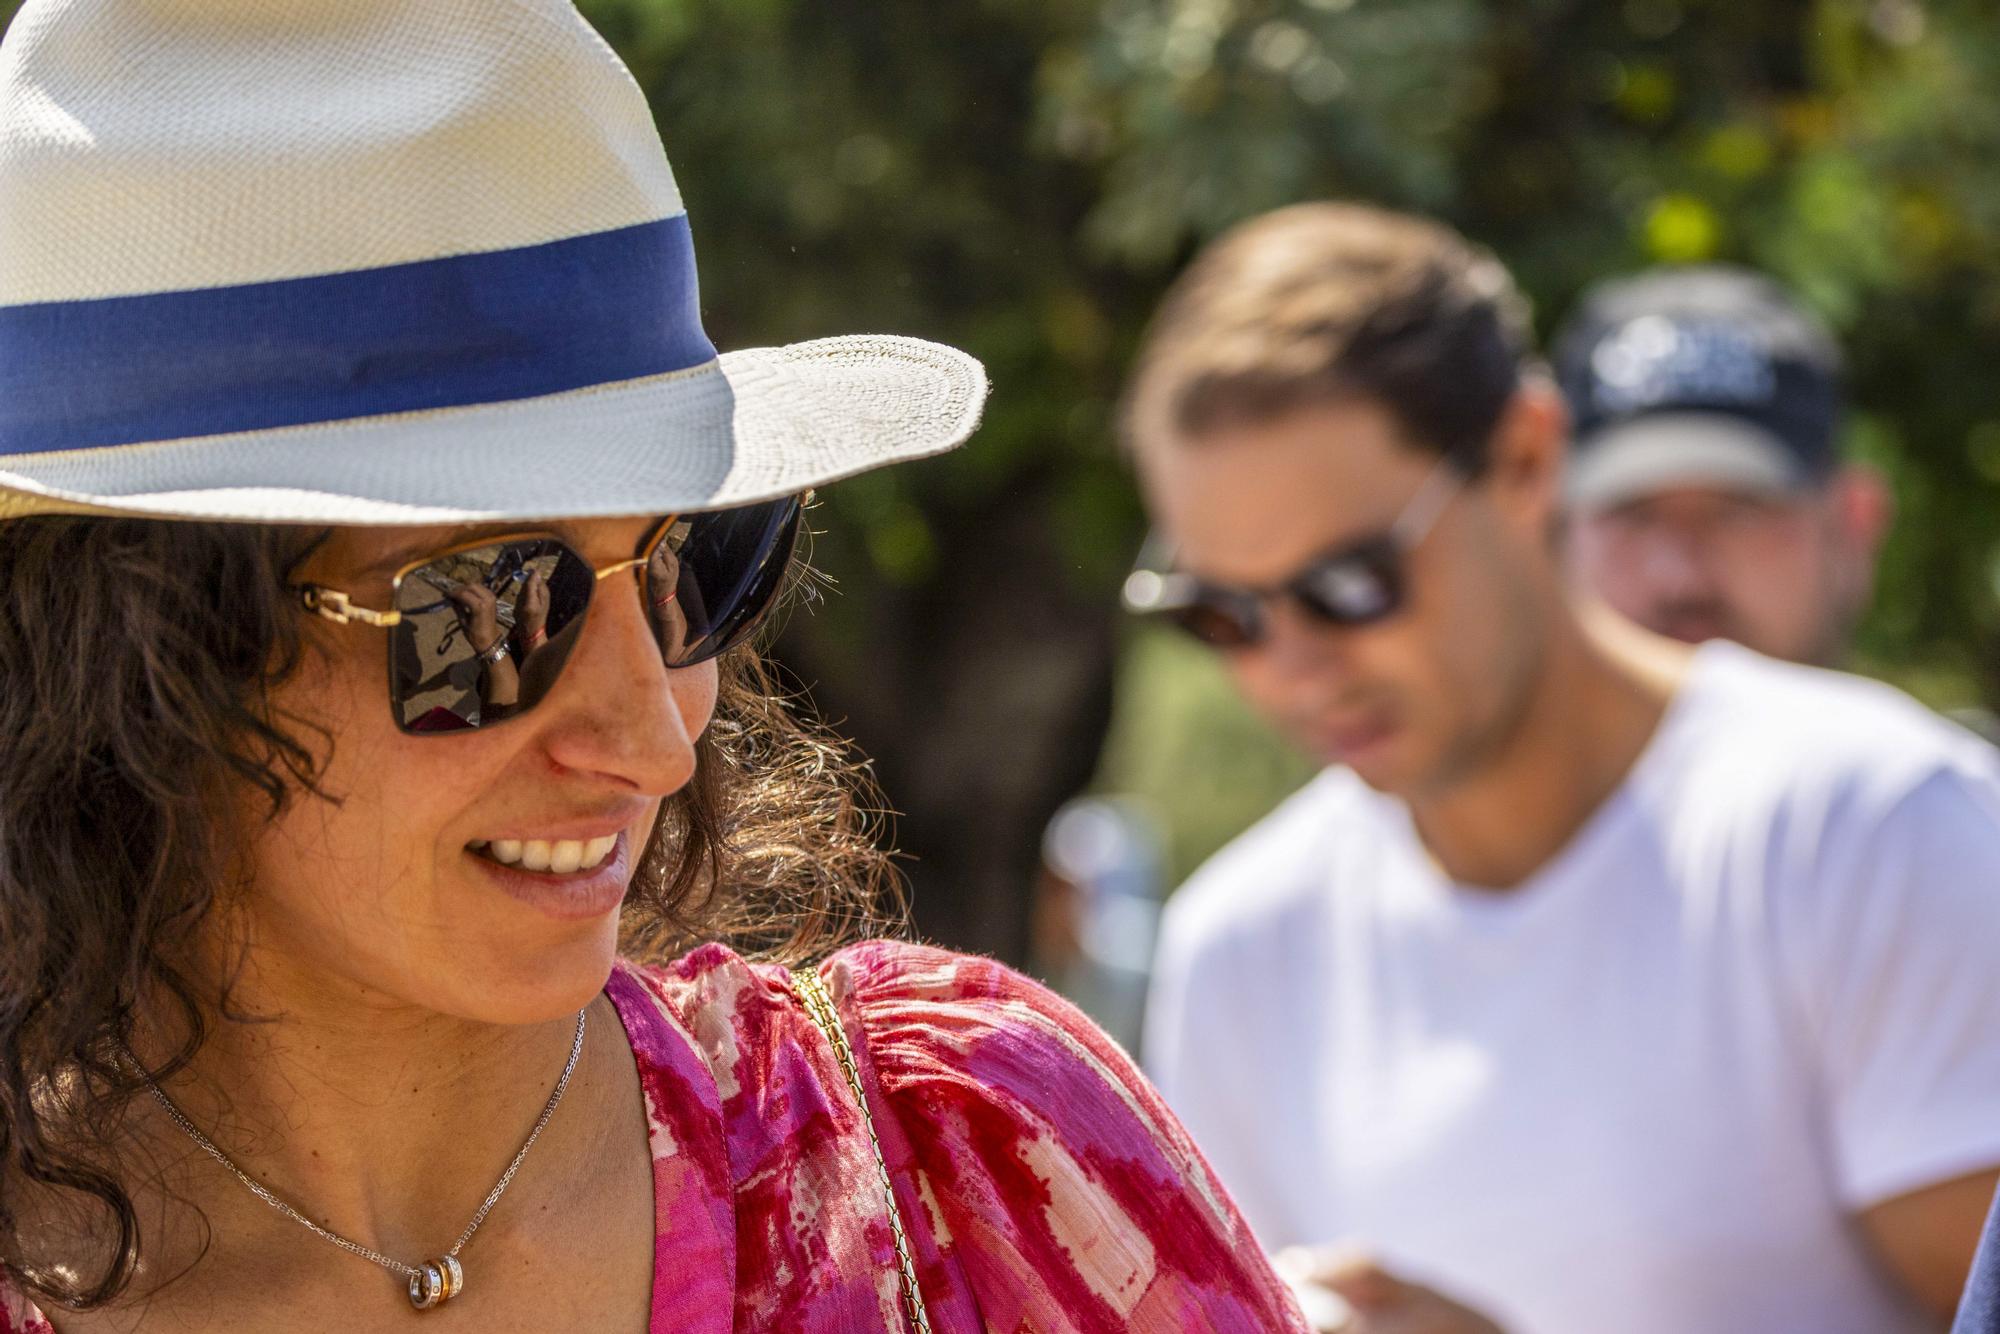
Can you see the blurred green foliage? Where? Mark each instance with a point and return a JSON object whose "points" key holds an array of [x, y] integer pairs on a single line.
{"points": [[1022, 177], [1849, 146]]}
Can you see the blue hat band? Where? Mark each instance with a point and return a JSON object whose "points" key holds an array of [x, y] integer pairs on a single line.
{"points": [[481, 328]]}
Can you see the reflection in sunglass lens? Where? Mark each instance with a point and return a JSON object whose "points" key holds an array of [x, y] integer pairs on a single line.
{"points": [[716, 574], [1357, 588], [484, 632]]}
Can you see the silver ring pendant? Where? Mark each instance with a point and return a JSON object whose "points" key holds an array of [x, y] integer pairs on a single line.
{"points": [[424, 1285], [430, 1286], [436, 1283]]}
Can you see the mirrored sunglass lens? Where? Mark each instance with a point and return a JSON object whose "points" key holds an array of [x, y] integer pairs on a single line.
{"points": [[1353, 589], [715, 574], [485, 632]]}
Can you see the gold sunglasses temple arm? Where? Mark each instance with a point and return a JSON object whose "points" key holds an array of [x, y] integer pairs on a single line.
{"points": [[333, 605], [619, 567]]}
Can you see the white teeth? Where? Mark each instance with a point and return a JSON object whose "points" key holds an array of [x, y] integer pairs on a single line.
{"points": [[557, 856]]}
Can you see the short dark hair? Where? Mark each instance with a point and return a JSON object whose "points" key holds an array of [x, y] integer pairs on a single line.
{"points": [[1321, 302]]}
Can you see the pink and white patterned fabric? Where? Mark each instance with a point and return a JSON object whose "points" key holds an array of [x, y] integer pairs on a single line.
{"points": [[1046, 1188]]}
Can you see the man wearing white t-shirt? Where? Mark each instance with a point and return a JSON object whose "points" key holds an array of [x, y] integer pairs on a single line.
{"points": [[1600, 985]]}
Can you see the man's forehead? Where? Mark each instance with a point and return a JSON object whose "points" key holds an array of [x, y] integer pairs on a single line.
{"points": [[1255, 501], [1702, 497]]}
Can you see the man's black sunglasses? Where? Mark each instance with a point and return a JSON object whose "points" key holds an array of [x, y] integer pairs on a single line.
{"points": [[1358, 583], [479, 633]]}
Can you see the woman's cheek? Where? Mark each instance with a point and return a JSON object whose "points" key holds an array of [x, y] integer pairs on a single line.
{"points": [[694, 694]]}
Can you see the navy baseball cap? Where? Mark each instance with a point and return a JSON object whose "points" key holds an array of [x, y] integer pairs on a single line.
{"points": [[1700, 376]]}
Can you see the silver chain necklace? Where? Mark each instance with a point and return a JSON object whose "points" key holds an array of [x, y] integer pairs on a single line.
{"points": [[434, 1282]]}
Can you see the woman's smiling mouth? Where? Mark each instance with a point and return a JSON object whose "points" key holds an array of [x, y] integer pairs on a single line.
{"points": [[569, 879], [555, 856]]}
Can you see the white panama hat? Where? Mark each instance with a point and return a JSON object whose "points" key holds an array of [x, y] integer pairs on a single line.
{"points": [[385, 261]]}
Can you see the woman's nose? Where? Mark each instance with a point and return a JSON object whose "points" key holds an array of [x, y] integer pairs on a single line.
{"points": [[619, 711]]}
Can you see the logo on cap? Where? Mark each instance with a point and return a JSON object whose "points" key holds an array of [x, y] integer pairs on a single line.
{"points": [[1655, 360]]}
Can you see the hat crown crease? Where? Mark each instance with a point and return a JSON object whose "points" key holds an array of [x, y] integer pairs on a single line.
{"points": [[382, 133]]}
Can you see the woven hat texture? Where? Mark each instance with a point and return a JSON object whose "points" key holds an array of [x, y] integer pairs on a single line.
{"points": [[385, 261]]}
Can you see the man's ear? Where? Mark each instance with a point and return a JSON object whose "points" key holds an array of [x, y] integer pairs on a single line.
{"points": [[1527, 456], [1864, 506]]}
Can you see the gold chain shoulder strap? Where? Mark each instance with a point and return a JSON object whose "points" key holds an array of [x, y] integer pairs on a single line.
{"points": [[812, 991]]}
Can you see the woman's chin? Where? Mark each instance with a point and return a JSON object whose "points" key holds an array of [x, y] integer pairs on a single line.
{"points": [[535, 982]]}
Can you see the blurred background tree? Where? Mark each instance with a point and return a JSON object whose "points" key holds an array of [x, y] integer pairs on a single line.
{"points": [[1023, 177]]}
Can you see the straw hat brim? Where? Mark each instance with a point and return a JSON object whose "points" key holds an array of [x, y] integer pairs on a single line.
{"points": [[753, 425]]}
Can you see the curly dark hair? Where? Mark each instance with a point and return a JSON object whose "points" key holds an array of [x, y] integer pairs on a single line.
{"points": [[137, 665]]}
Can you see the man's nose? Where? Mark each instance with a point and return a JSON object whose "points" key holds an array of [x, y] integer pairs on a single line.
{"points": [[1675, 564], [620, 713], [1298, 644]]}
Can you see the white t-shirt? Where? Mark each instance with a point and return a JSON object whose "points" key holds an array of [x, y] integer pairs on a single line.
{"points": [[1644, 1092]]}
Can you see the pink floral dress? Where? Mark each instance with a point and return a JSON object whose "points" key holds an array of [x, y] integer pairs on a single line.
{"points": [[1046, 1188]]}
